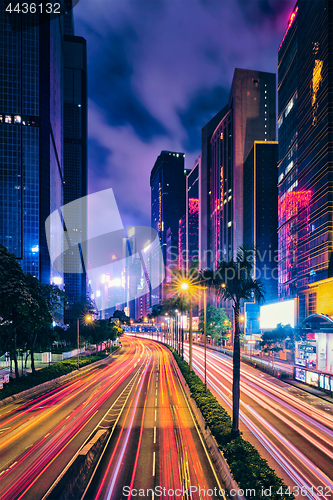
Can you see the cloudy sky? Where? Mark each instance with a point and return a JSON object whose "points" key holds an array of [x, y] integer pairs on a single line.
{"points": [[158, 71]]}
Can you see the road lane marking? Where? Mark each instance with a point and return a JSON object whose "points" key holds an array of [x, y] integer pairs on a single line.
{"points": [[154, 435], [155, 415], [155, 401], [156, 392], [154, 464]]}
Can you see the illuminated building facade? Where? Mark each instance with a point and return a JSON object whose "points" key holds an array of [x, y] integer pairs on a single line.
{"points": [[305, 99], [261, 212], [167, 182], [226, 141]]}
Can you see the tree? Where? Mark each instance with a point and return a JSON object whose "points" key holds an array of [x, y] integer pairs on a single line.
{"points": [[16, 303], [47, 302], [271, 341], [123, 319], [233, 281], [218, 322]]}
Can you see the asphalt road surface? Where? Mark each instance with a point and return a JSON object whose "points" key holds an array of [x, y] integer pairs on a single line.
{"points": [[155, 444]]}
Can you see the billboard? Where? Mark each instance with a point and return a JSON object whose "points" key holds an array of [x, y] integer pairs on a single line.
{"points": [[280, 312]]}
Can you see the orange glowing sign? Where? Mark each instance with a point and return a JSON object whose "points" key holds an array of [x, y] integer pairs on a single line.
{"points": [[291, 20]]}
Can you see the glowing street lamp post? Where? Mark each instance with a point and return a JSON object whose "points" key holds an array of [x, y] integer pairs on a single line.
{"points": [[88, 319], [205, 335]]}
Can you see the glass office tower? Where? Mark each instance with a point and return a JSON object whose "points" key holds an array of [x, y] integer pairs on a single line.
{"points": [[30, 140], [305, 103]]}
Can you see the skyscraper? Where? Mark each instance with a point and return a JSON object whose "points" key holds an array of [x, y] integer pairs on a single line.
{"points": [[167, 182], [305, 102], [31, 141], [192, 213], [75, 147], [226, 141], [261, 212]]}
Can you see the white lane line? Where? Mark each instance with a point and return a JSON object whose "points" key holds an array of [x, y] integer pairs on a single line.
{"points": [[155, 401], [154, 435], [156, 392], [156, 384], [155, 415], [154, 464]]}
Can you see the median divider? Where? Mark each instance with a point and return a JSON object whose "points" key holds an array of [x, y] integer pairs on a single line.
{"points": [[244, 472], [216, 455], [78, 474]]}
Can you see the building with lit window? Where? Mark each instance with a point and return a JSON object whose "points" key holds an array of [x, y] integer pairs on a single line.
{"points": [[305, 101], [249, 116], [31, 140], [43, 125], [260, 212], [167, 182]]}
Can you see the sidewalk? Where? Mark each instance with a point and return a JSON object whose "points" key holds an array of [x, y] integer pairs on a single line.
{"points": [[310, 390]]}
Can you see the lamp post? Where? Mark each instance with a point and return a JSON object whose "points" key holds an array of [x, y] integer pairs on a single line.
{"points": [[205, 335], [87, 318]]}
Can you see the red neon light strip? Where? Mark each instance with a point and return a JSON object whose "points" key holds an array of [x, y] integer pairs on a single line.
{"points": [[291, 20]]}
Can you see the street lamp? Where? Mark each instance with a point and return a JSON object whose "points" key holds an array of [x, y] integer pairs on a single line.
{"points": [[187, 286], [87, 319]]}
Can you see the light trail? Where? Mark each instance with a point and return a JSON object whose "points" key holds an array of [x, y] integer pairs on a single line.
{"points": [[299, 418]]}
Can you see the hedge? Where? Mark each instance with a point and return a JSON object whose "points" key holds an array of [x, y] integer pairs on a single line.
{"points": [[248, 468], [45, 374]]}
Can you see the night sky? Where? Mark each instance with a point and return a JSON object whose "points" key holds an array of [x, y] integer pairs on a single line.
{"points": [[158, 71]]}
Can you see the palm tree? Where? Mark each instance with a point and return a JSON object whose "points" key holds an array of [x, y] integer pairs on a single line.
{"points": [[233, 281]]}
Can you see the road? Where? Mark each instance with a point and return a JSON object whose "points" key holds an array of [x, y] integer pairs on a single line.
{"points": [[292, 429], [154, 441]]}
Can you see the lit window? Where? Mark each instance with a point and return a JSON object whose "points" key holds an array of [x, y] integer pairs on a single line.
{"points": [[17, 119], [98, 293], [265, 105], [1, 119], [177, 155], [229, 223], [290, 105], [8, 119]]}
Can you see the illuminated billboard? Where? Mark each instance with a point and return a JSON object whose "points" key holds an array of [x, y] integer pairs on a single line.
{"points": [[280, 312]]}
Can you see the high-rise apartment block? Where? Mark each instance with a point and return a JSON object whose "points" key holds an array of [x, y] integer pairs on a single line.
{"points": [[305, 171]]}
